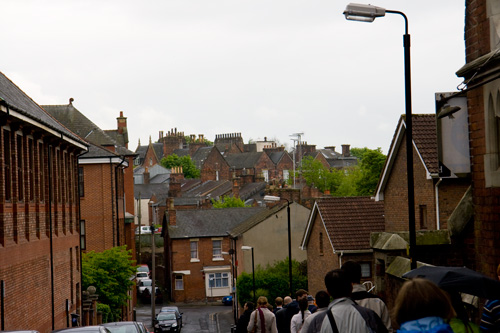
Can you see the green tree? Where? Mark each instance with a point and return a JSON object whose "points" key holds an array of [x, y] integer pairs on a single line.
{"points": [[109, 272], [371, 167], [188, 168], [272, 281], [228, 202]]}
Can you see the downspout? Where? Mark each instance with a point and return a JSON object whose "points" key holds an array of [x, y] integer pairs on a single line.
{"points": [[112, 200], [79, 228], [340, 258], [436, 188], [51, 241], [116, 198]]}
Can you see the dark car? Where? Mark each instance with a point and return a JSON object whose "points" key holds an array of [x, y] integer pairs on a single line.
{"points": [[84, 329], [168, 321], [227, 300], [125, 327], [172, 308]]}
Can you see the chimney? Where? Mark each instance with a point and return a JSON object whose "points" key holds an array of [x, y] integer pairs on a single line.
{"points": [[146, 176], [346, 152], [236, 187], [332, 148], [172, 216], [121, 123]]}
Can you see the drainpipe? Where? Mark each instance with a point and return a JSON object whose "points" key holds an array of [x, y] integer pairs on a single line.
{"points": [[112, 200], [438, 223], [51, 241], [116, 198]]}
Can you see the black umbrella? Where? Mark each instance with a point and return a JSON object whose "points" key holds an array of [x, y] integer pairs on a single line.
{"points": [[459, 279]]}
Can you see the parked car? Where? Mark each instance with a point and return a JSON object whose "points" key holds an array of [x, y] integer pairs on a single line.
{"points": [[144, 284], [227, 300], [169, 321], [144, 230], [172, 308], [146, 296], [84, 329], [125, 327], [141, 275], [144, 268]]}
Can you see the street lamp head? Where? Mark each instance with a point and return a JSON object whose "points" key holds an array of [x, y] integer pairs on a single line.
{"points": [[363, 13], [271, 198], [246, 248]]}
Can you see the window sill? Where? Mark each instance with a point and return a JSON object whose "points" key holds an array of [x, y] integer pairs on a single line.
{"points": [[195, 260], [217, 259]]}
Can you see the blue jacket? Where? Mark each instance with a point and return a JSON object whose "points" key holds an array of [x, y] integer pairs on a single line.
{"points": [[426, 325]]}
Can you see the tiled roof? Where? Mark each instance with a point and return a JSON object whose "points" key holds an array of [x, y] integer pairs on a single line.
{"points": [[141, 151], [158, 150], [148, 190], [277, 156], [252, 190], [350, 220], [425, 138], [210, 188], [200, 156], [209, 222], [17, 100], [97, 152], [243, 160]]}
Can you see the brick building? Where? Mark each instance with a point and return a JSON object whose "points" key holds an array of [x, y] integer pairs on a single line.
{"points": [[339, 230], [39, 216], [196, 252], [482, 89]]}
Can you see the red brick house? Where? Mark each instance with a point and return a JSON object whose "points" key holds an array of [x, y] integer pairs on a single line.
{"points": [[481, 87], [197, 257], [106, 189], [257, 164], [39, 216], [339, 230]]}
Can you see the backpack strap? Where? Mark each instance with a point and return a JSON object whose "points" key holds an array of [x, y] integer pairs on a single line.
{"points": [[371, 318], [332, 321]]}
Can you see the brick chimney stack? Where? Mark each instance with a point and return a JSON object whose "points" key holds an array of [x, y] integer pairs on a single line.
{"points": [[172, 216], [146, 176], [121, 123], [346, 151], [236, 187]]}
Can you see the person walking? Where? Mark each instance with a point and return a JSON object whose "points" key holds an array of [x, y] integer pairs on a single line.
{"points": [[490, 319], [262, 320], [281, 322], [312, 324], [363, 297], [298, 319], [279, 304], [241, 326], [343, 314], [421, 306]]}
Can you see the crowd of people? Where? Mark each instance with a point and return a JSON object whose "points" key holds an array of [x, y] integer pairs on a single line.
{"points": [[346, 306]]}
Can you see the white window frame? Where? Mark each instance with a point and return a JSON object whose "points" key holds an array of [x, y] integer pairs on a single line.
{"points": [[217, 251], [265, 173], [179, 282], [286, 175], [221, 277], [366, 269], [195, 258]]}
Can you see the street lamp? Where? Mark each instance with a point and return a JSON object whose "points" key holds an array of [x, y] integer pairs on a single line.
{"points": [[368, 13], [250, 248], [272, 198]]}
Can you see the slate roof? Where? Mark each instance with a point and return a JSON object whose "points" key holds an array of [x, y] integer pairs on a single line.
{"points": [[161, 178], [252, 190], [350, 220], [158, 150], [77, 122], [17, 100], [148, 190], [200, 156], [254, 220], [277, 156], [209, 222], [243, 160], [181, 152], [210, 188], [98, 152], [141, 152]]}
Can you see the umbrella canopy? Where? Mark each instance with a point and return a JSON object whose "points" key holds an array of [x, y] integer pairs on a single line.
{"points": [[459, 279]]}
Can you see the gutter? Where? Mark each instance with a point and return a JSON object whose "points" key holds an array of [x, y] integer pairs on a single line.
{"points": [[436, 188]]}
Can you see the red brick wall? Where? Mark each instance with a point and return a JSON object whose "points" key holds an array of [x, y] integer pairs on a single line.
{"points": [[477, 30], [215, 162], [451, 192], [25, 256], [150, 155], [194, 284], [396, 194]]}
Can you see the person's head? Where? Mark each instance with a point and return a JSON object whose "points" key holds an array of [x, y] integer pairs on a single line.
{"points": [[322, 299], [270, 307], [249, 306], [278, 301], [303, 304], [287, 300], [420, 298], [262, 302], [301, 293], [310, 300], [353, 271], [338, 284]]}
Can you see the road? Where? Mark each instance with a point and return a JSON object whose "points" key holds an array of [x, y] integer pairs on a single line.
{"points": [[198, 318]]}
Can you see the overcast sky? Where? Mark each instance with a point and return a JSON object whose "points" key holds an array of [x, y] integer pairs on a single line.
{"points": [[262, 68]]}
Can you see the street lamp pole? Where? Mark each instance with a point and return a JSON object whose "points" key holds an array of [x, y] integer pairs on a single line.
{"points": [[368, 13], [274, 198], [246, 248]]}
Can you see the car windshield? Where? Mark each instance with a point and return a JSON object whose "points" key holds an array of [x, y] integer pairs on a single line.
{"points": [[166, 316], [123, 328], [142, 269], [142, 274]]}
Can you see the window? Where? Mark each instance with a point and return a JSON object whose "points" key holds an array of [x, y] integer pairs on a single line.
{"points": [[6, 166], [218, 280], [194, 250], [217, 249], [20, 173], [82, 235], [31, 169], [321, 244], [423, 216], [366, 270], [80, 182], [286, 175], [265, 174], [179, 282]]}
